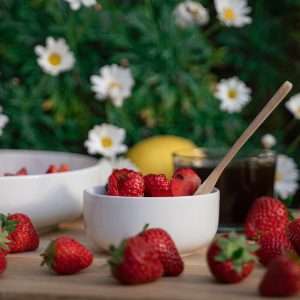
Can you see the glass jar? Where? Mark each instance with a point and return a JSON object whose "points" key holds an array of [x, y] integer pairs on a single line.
{"points": [[247, 177]]}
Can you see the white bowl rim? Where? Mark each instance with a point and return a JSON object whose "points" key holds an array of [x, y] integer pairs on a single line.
{"points": [[30, 176], [92, 191]]}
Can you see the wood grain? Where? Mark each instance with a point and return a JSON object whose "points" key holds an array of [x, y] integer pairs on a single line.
{"points": [[26, 280]]}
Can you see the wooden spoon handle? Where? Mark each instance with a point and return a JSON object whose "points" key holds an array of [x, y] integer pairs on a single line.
{"points": [[208, 185]]}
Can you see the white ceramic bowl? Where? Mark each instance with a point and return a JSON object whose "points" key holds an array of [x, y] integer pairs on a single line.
{"points": [[192, 221], [48, 199]]}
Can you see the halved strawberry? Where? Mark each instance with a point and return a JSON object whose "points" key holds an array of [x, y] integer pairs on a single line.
{"points": [[185, 182]]}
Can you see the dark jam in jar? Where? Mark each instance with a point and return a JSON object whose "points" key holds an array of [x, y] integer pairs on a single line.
{"points": [[241, 183]]}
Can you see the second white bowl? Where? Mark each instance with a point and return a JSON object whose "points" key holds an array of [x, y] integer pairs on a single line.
{"points": [[192, 221]]}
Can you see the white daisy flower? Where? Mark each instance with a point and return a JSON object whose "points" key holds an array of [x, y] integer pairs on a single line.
{"points": [[233, 94], [268, 141], [114, 82], [286, 178], [108, 165], [233, 12], [56, 57], [76, 4], [190, 13], [106, 139], [3, 120], [293, 105]]}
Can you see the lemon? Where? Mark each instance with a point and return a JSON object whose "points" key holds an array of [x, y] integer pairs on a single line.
{"points": [[154, 154]]}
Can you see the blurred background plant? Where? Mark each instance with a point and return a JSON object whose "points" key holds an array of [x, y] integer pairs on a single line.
{"points": [[171, 60]]}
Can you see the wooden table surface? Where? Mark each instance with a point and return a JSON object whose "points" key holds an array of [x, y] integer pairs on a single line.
{"points": [[25, 279]]}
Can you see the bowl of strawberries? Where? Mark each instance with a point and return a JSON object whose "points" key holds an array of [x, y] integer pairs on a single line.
{"points": [[47, 186], [129, 201]]}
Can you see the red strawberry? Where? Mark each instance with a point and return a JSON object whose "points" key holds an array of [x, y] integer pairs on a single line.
{"points": [[273, 245], [123, 182], [135, 261], [157, 186], [185, 182], [293, 232], [231, 258], [282, 279], [2, 262], [67, 256], [52, 169], [22, 172], [168, 254], [64, 168], [267, 215], [22, 235]]}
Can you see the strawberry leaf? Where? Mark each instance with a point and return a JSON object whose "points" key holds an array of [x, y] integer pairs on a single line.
{"points": [[236, 249], [4, 241], [48, 255], [7, 225], [117, 254]]}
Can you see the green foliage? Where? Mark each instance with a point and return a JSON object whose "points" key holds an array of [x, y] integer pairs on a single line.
{"points": [[175, 71]]}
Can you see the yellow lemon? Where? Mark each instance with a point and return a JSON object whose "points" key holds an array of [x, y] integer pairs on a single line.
{"points": [[154, 154]]}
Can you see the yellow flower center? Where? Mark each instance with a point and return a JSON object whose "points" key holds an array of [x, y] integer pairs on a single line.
{"points": [[232, 93], [106, 142], [114, 85], [278, 176], [229, 14], [54, 59]]}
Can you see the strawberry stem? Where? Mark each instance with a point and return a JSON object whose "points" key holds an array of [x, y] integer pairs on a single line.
{"points": [[4, 241], [237, 249], [7, 225]]}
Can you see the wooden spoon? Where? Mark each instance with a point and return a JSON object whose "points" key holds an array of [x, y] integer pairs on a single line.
{"points": [[210, 182]]}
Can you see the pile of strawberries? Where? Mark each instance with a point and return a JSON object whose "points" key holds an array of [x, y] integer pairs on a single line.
{"points": [[270, 237], [51, 169], [63, 255], [143, 258], [124, 182]]}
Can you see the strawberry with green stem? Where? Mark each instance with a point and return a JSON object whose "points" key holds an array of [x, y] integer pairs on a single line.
{"points": [[22, 235], [3, 250], [135, 261], [231, 258], [66, 256]]}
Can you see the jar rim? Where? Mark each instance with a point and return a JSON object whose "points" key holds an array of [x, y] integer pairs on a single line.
{"points": [[218, 153]]}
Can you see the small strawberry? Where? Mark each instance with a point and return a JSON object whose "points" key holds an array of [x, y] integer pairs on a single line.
{"points": [[22, 172], [2, 262], [67, 256], [164, 245], [157, 186], [22, 235], [282, 278], [267, 215], [185, 182], [123, 182], [231, 258], [273, 245], [293, 232], [135, 262], [52, 169], [64, 168]]}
